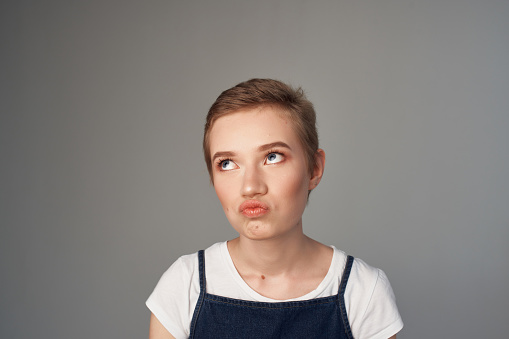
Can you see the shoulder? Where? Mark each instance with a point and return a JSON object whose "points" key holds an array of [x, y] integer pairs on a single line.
{"points": [[175, 295], [364, 276], [186, 264], [368, 284], [180, 273], [186, 268], [371, 304]]}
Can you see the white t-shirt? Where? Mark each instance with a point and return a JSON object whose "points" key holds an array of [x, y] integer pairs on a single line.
{"points": [[369, 300]]}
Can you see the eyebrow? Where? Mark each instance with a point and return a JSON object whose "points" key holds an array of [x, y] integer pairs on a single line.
{"points": [[267, 147], [222, 155], [261, 148]]}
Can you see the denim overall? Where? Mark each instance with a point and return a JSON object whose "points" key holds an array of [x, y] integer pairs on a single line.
{"points": [[221, 317]]}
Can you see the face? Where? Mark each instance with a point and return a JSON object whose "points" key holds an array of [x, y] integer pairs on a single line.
{"points": [[260, 172]]}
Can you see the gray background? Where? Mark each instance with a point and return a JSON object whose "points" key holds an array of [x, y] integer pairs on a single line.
{"points": [[103, 184]]}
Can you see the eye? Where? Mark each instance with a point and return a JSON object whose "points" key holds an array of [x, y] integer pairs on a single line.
{"points": [[274, 158], [227, 165]]}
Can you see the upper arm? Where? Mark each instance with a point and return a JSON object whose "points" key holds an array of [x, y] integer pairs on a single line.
{"points": [[172, 300], [157, 330]]}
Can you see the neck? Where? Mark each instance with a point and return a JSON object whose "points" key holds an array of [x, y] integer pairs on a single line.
{"points": [[274, 256]]}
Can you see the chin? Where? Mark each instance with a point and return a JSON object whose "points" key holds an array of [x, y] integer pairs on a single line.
{"points": [[256, 231]]}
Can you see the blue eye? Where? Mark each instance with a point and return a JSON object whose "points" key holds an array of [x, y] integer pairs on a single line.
{"points": [[227, 165], [274, 158]]}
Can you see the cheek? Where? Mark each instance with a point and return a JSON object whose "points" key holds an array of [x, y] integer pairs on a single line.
{"points": [[219, 193], [293, 186], [223, 192]]}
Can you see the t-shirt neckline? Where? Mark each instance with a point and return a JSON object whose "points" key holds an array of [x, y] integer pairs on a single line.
{"points": [[331, 272]]}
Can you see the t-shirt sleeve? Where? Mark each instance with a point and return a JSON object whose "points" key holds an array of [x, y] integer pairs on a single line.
{"points": [[173, 300], [376, 312]]}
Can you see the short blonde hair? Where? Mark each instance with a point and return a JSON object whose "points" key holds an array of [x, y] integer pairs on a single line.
{"points": [[267, 92]]}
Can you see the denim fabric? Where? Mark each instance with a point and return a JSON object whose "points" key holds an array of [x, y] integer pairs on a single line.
{"points": [[221, 317]]}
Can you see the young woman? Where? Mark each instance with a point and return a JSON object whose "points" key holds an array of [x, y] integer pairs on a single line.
{"points": [[272, 281]]}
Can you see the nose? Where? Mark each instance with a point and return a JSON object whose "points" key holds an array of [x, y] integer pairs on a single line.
{"points": [[253, 183]]}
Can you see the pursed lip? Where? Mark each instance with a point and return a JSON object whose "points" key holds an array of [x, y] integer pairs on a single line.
{"points": [[253, 208]]}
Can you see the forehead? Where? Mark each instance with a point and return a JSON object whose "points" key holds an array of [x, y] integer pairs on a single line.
{"points": [[252, 127]]}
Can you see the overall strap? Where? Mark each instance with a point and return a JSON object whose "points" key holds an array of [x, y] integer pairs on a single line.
{"points": [[201, 265], [201, 268], [341, 295]]}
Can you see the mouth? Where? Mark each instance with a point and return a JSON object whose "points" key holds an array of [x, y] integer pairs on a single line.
{"points": [[253, 208]]}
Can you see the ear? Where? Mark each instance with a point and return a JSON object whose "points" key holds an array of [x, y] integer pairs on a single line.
{"points": [[317, 174]]}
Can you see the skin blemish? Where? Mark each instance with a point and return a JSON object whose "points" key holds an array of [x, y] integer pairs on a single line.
{"points": [[263, 277]]}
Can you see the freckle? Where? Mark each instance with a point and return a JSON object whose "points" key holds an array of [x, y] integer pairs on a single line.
{"points": [[263, 277]]}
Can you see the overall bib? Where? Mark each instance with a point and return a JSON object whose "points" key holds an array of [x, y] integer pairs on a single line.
{"points": [[221, 317]]}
